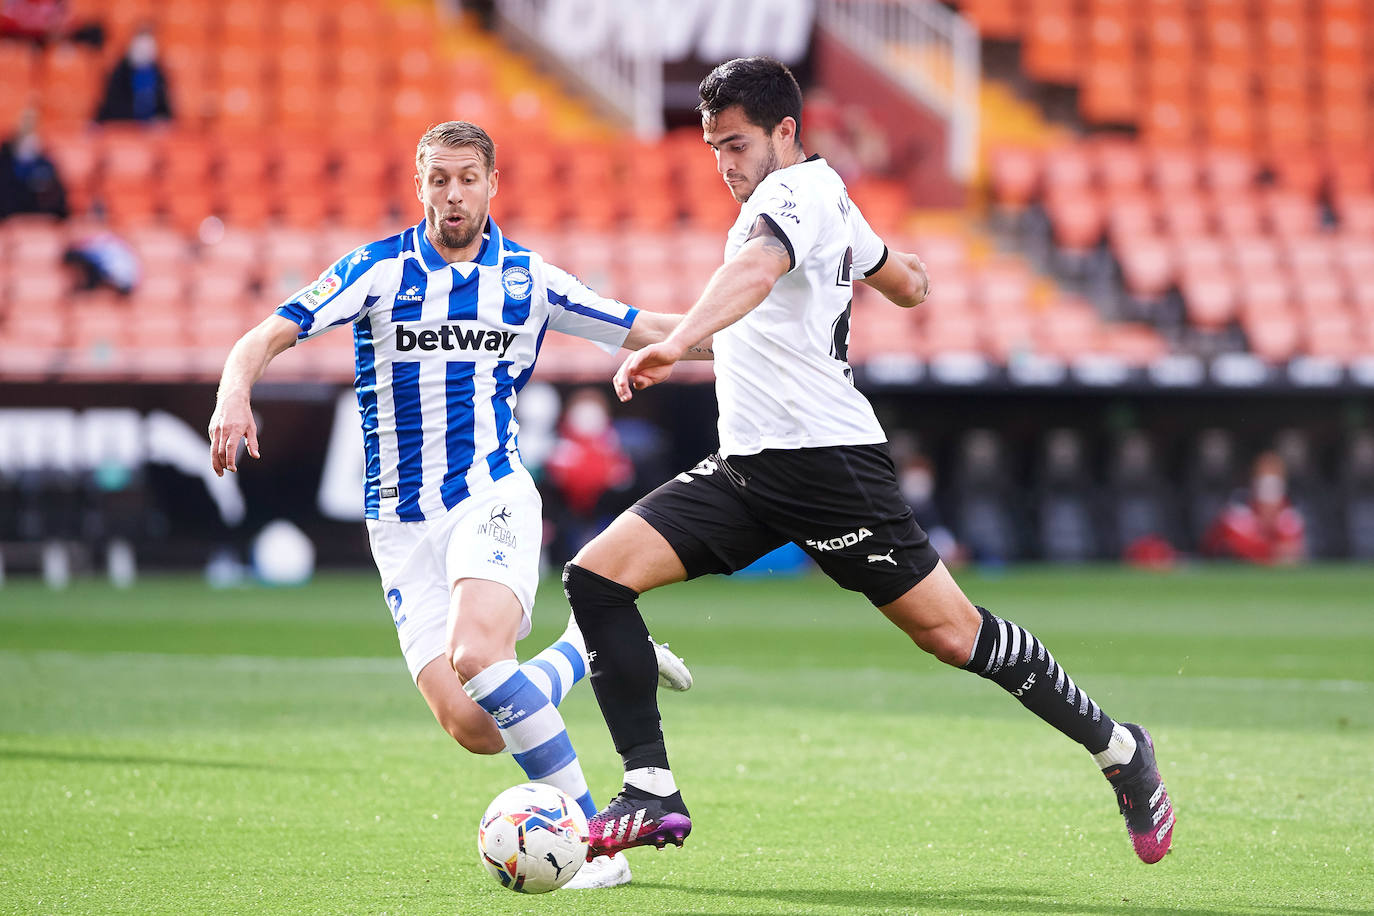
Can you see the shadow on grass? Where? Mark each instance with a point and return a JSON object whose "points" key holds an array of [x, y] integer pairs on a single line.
{"points": [[988, 899], [9, 753]]}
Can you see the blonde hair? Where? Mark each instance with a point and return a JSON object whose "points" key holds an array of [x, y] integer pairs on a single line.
{"points": [[453, 134]]}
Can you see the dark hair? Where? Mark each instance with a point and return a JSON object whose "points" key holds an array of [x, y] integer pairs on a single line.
{"points": [[763, 87], [454, 134]]}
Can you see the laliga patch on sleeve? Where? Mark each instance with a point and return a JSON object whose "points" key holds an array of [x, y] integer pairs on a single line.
{"points": [[319, 294]]}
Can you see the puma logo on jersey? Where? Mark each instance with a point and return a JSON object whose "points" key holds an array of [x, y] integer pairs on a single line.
{"points": [[882, 557]]}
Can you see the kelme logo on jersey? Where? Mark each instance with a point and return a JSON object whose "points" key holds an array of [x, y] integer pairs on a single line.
{"points": [[453, 337], [844, 540], [319, 294], [517, 282]]}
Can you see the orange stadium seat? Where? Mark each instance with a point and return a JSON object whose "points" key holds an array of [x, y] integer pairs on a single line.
{"points": [[1078, 218], [1209, 298], [1356, 213], [1320, 294], [1291, 213], [1273, 337], [1310, 254], [1147, 266], [1255, 254], [1068, 169], [1186, 215], [35, 243], [1015, 176], [187, 208], [1119, 165], [1334, 336], [244, 21], [1132, 214], [1136, 344], [298, 22], [71, 82], [1069, 329], [996, 19], [1052, 39], [1229, 171], [185, 161], [1237, 213]]}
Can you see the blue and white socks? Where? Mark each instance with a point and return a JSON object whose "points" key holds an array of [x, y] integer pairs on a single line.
{"points": [[560, 666], [527, 714]]}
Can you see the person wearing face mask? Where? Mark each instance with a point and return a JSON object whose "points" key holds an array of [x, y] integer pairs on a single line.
{"points": [[29, 181], [1260, 525], [137, 88], [588, 463]]}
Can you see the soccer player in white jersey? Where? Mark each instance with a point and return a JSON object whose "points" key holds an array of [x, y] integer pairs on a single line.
{"points": [[803, 459], [447, 319]]}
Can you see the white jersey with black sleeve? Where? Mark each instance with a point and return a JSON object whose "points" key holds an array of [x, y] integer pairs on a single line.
{"points": [[782, 374]]}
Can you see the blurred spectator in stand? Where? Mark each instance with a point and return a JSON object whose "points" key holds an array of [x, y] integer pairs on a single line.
{"points": [[45, 21], [1260, 525], [103, 260], [588, 464], [137, 88], [29, 182], [916, 478], [846, 136]]}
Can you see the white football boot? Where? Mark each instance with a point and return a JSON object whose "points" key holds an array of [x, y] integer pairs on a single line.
{"points": [[672, 670], [603, 871]]}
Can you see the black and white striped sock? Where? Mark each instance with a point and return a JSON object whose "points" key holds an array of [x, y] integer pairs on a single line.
{"points": [[1013, 658]]}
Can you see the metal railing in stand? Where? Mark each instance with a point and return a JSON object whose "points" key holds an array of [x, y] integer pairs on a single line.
{"points": [[928, 49], [596, 54]]}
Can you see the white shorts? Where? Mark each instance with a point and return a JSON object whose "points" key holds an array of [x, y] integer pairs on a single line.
{"points": [[492, 535]]}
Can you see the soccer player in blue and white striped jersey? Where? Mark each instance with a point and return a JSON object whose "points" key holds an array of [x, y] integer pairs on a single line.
{"points": [[447, 321]]}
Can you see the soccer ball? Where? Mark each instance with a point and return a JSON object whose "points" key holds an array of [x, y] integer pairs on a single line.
{"points": [[533, 838]]}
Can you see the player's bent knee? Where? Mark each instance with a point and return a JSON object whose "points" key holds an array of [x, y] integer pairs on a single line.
{"points": [[470, 660], [947, 643]]}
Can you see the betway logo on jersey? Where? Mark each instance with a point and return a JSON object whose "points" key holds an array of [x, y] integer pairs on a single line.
{"points": [[453, 337], [844, 540]]}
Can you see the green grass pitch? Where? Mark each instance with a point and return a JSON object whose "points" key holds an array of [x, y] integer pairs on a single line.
{"points": [[171, 749]]}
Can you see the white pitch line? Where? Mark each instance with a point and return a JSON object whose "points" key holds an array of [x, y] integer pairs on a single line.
{"points": [[233, 663], [390, 666]]}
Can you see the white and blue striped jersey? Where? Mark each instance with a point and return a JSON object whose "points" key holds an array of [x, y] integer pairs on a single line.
{"points": [[441, 351]]}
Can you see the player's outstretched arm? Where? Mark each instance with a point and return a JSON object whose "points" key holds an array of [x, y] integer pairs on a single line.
{"points": [[736, 289], [232, 420], [653, 327], [902, 279]]}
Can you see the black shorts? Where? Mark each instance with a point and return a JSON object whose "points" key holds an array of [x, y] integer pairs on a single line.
{"points": [[840, 504]]}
